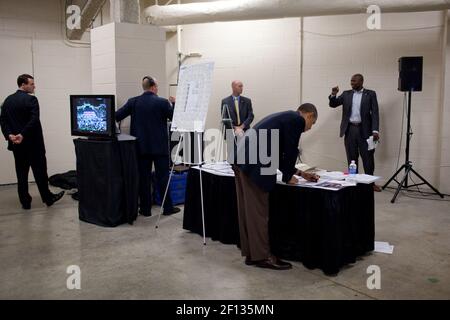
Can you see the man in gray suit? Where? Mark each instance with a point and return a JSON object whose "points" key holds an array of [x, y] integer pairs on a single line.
{"points": [[360, 120], [240, 108]]}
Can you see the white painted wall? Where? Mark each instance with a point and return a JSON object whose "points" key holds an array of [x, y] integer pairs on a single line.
{"points": [[265, 55], [331, 61], [122, 54], [445, 129], [31, 42]]}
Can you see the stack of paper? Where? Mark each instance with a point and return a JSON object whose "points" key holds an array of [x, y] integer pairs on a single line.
{"points": [[332, 175], [332, 184], [364, 178], [383, 247], [218, 168], [323, 184]]}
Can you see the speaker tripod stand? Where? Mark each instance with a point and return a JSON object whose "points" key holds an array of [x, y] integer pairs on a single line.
{"points": [[407, 166]]}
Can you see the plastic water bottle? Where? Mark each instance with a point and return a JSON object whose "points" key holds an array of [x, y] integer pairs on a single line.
{"points": [[352, 168]]}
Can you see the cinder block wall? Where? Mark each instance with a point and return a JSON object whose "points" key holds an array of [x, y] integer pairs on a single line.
{"points": [[266, 56], [31, 41]]}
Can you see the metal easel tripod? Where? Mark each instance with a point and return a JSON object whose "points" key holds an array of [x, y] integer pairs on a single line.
{"points": [[226, 123], [407, 166]]}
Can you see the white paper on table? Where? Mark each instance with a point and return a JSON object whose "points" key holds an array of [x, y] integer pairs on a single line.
{"points": [[383, 247], [332, 175], [217, 165], [218, 168], [371, 143], [333, 185], [364, 178]]}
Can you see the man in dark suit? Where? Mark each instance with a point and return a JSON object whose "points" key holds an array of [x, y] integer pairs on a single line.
{"points": [[360, 120], [149, 115], [279, 135], [239, 107], [22, 129]]}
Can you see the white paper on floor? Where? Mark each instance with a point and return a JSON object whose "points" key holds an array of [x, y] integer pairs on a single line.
{"points": [[383, 247]]}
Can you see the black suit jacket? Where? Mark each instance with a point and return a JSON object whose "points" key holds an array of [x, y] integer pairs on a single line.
{"points": [[290, 125], [20, 115], [245, 111], [369, 110], [149, 115]]}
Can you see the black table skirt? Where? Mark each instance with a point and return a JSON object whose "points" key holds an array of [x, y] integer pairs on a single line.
{"points": [[220, 204], [108, 184], [321, 228]]}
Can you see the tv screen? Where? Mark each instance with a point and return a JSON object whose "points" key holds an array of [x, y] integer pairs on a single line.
{"points": [[92, 115]]}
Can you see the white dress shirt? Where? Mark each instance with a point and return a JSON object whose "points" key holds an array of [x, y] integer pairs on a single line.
{"points": [[355, 116]]}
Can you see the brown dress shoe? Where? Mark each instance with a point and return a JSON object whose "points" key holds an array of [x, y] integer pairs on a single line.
{"points": [[376, 188], [250, 262], [273, 263], [282, 262]]}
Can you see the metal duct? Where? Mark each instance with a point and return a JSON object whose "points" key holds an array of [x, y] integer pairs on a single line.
{"points": [[234, 10]]}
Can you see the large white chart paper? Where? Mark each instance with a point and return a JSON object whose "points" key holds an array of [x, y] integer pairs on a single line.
{"points": [[192, 101]]}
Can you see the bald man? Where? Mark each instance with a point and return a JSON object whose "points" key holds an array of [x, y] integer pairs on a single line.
{"points": [[240, 108], [360, 120], [149, 114]]}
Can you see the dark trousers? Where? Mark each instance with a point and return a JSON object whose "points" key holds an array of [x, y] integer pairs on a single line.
{"points": [[145, 163], [24, 159], [355, 145], [253, 212]]}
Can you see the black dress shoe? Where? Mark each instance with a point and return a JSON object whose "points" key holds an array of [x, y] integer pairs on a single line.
{"points": [[250, 262], [145, 214], [26, 203], [271, 263], [54, 197], [26, 206], [171, 211]]}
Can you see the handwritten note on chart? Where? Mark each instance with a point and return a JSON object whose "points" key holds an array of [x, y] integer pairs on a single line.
{"points": [[192, 101]]}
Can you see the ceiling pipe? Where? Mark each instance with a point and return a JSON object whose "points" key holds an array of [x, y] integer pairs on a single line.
{"points": [[234, 10]]}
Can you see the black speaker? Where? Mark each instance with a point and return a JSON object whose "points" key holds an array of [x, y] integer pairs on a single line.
{"points": [[410, 73]]}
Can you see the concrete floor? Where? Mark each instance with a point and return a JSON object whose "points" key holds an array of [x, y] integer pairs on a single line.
{"points": [[141, 262]]}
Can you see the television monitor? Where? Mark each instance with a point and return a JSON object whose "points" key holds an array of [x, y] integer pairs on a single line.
{"points": [[93, 115]]}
